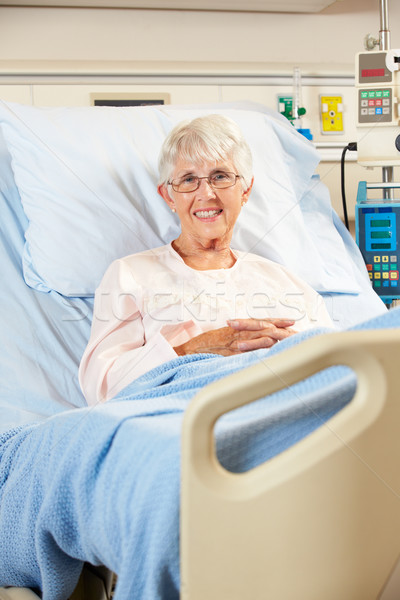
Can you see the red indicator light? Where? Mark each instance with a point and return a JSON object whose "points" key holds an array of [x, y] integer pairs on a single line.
{"points": [[372, 72]]}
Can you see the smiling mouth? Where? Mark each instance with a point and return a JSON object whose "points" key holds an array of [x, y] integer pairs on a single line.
{"points": [[207, 214]]}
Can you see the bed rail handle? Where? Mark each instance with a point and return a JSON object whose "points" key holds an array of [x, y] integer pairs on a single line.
{"points": [[299, 524]]}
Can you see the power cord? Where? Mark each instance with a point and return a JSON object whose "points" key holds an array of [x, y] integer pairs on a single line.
{"points": [[352, 146]]}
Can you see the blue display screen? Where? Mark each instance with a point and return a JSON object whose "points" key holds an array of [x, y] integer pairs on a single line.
{"points": [[380, 233]]}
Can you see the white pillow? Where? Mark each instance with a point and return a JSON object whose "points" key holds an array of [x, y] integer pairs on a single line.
{"points": [[87, 178]]}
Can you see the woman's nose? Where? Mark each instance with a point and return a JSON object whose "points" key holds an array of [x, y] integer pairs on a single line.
{"points": [[205, 187]]}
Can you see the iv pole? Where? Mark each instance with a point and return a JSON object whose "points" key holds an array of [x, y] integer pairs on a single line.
{"points": [[384, 44]]}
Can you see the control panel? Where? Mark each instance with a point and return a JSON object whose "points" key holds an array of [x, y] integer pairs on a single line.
{"points": [[377, 236], [375, 106], [378, 108]]}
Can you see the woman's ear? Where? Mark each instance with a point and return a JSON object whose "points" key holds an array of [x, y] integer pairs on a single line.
{"points": [[163, 191], [246, 194]]}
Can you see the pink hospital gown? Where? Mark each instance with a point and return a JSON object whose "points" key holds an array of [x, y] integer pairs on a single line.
{"points": [[147, 303]]}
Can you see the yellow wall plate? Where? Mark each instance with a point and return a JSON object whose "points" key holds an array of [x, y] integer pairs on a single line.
{"points": [[331, 111]]}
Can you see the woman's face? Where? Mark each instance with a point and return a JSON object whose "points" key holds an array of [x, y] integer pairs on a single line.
{"points": [[206, 214]]}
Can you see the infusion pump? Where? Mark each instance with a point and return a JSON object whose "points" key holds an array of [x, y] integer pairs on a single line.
{"points": [[378, 145], [378, 108]]}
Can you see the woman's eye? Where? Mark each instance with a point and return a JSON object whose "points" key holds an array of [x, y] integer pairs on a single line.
{"points": [[219, 176], [189, 179]]}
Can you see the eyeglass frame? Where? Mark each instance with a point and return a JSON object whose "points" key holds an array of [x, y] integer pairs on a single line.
{"points": [[208, 181]]}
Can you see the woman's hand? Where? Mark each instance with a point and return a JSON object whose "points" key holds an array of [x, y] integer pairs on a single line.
{"points": [[241, 335]]}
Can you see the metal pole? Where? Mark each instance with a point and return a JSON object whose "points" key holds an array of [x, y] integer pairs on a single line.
{"points": [[387, 177], [384, 33], [384, 44]]}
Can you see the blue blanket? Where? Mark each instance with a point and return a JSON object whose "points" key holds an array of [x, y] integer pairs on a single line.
{"points": [[101, 484]]}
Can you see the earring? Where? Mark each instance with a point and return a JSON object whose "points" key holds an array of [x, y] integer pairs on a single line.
{"points": [[243, 203], [173, 210]]}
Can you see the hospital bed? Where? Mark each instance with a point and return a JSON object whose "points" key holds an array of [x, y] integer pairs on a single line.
{"points": [[293, 494]]}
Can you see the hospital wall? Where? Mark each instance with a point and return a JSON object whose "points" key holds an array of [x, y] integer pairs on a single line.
{"points": [[68, 56]]}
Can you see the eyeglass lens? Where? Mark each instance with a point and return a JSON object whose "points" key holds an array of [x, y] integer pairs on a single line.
{"points": [[218, 180]]}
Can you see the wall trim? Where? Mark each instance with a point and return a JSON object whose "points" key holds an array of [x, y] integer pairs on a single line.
{"points": [[171, 73]]}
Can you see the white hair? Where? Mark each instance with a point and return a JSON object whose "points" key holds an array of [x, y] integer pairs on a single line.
{"points": [[206, 139]]}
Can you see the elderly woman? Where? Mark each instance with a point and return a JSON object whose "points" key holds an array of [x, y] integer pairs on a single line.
{"points": [[196, 294]]}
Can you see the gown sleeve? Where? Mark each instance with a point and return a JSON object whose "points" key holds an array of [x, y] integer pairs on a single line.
{"points": [[118, 352]]}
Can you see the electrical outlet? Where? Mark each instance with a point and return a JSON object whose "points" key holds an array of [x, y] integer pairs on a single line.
{"points": [[331, 112]]}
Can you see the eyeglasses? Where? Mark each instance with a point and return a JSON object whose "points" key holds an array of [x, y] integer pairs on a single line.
{"points": [[190, 183]]}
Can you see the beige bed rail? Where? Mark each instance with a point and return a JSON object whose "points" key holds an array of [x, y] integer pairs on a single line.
{"points": [[321, 520]]}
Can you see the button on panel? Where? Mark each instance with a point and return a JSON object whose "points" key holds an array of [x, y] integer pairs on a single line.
{"points": [[375, 106]]}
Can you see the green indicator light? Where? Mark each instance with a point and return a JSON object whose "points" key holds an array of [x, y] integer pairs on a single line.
{"points": [[380, 235], [380, 246], [380, 223]]}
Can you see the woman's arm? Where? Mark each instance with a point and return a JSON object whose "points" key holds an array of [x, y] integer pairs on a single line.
{"points": [[118, 352], [240, 335]]}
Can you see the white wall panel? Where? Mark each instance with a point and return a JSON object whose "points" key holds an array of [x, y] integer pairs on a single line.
{"points": [[16, 93], [333, 36]]}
